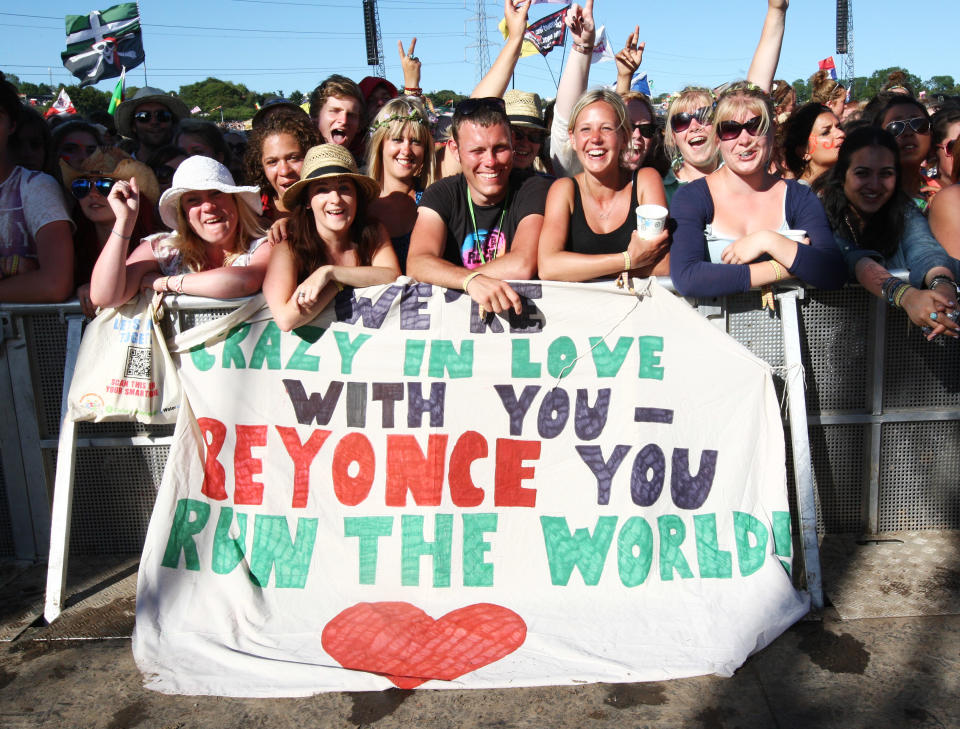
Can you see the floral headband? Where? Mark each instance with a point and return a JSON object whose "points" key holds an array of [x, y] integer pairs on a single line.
{"points": [[414, 116]]}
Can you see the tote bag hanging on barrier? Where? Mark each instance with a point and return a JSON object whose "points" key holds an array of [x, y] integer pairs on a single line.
{"points": [[124, 370]]}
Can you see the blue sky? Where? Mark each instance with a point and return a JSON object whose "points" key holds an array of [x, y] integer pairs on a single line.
{"points": [[271, 45]]}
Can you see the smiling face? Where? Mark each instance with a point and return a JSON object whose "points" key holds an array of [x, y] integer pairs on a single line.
{"points": [[870, 180], [746, 154], [77, 147], [695, 143], [914, 147], [333, 202], [486, 156], [639, 116], [96, 208], [212, 215], [826, 136], [339, 119], [282, 158], [154, 132], [526, 145], [597, 137], [403, 154]]}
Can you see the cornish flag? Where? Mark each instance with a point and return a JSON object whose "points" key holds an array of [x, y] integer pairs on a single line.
{"points": [[103, 42]]}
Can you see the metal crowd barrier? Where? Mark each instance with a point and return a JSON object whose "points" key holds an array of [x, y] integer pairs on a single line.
{"points": [[872, 419]]}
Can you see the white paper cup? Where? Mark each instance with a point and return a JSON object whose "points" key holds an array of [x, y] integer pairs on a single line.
{"points": [[650, 220], [797, 235]]}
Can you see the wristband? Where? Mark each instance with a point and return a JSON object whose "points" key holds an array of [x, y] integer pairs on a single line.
{"points": [[626, 261], [179, 285], [937, 280], [469, 277], [584, 48], [777, 269], [120, 235], [413, 91]]}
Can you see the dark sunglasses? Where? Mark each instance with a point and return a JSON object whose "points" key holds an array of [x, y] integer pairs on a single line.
{"points": [[682, 121], [530, 135], [161, 116], [728, 130], [82, 186], [468, 107], [647, 130], [918, 124]]}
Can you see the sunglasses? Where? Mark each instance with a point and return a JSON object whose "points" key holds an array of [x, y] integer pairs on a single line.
{"points": [[82, 186], [469, 107], [947, 146], [647, 129], [728, 130], [528, 134], [918, 124], [161, 116], [682, 121]]}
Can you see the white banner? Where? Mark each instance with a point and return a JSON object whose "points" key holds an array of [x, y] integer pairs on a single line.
{"points": [[403, 494]]}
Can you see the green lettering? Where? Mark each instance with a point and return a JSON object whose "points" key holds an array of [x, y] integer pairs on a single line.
{"points": [[750, 557], [300, 360], [713, 561], [561, 356], [782, 538], [201, 358], [672, 533], [521, 364], [182, 531], [232, 354], [634, 551], [413, 357], [580, 549], [608, 363], [267, 349], [443, 357], [650, 348], [368, 529], [414, 546], [348, 349], [227, 552], [476, 571], [272, 547]]}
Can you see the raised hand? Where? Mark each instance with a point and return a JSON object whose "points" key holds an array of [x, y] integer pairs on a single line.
{"points": [[580, 22], [124, 200], [631, 56], [410, 65]]}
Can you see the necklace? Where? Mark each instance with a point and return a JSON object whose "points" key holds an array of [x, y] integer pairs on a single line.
{"points": [[481, 245]]}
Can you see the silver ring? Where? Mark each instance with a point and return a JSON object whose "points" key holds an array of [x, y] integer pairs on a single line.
{"points": [[301, 295], [933, 315]]}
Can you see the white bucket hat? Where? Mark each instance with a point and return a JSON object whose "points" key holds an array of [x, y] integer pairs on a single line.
{"points": [[204, 173]]}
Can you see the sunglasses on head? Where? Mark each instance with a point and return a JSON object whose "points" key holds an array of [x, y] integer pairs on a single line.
{"points": [[647, 129], [161, 116], [82, 186], [682, 121], [532, 136], [919, 124], [728, 130], [468, 107]]}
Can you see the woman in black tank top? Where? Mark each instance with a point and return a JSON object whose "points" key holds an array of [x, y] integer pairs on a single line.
{"points": [[589, 227]]}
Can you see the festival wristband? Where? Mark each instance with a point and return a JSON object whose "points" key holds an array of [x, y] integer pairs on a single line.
{"points": [[469, 277], [179, 285], [584, 48], [626, 261], [777, 269]]}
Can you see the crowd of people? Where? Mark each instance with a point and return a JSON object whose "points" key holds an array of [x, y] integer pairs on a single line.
{"points": [[371, 184]]}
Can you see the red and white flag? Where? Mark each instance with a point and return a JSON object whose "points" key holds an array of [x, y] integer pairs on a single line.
{"points": [[62, 105]]}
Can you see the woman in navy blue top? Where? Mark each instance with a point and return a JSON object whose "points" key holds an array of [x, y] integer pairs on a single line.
{"points": [[731, 224]]}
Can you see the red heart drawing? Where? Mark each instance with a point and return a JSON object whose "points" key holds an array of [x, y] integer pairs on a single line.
{"points": [[403, 643]]}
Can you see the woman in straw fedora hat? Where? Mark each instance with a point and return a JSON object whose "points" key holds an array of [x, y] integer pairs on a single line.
{"points": [[214, 249], [95, 219], [331, 242]]}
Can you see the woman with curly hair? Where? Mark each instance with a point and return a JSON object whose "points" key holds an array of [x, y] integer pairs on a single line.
{"points": [[331, 241], [736, 226], [400, 158], [275, 153]]}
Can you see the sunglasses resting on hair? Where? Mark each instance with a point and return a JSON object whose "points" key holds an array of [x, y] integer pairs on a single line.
{"points": [[82, 186], [468, 107], [728, 130]]}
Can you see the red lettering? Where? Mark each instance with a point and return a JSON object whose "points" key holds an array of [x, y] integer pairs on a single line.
{"points": [[510, 472], [214, 476], [409, 470], [353, 448], [302, 456], [470, 446], [245, 466]]}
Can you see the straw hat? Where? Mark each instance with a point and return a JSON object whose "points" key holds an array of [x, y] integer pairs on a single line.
{"points": [[117, 164], [204, 173], [126, 110], [524, 109], [329, 160]]}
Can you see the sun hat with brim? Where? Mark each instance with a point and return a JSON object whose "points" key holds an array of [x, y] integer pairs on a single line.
{"points": [[115, 164], [329, 160], [524, 109], [144, 95], [204, 173]]}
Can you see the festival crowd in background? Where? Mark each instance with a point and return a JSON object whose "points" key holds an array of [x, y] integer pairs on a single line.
{"points": [[371, 183]]}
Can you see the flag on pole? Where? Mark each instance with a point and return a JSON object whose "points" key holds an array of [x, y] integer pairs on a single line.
{"points": [[117, 97], [601, 48], [195, 109], [548, 32], [640, 83], [62, 105], [102, 43], [827, 64], [527, 48]]}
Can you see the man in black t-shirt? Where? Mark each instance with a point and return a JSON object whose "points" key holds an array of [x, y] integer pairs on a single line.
{"points": [[479, 228]]}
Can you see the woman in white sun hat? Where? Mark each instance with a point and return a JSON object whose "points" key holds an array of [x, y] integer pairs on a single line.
{"points": [[213, 250], [331, 242]]}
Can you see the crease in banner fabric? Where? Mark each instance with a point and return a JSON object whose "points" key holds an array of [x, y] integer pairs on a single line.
{"points": [[402, 494]]}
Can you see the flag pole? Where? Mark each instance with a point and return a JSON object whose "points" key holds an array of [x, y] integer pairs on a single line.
{"points": [[551, 73], [140, 16]]}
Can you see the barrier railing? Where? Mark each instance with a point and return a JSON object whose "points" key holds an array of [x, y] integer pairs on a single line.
{"points": [[873, 420]]}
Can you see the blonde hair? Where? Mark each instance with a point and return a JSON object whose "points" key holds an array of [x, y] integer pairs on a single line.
{"points": [[397, 116], [614, 101], [692, 97], [193, 248], [744, 95]]}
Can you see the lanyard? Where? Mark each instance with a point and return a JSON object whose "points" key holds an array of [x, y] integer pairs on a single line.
{"points": [[476, 234]]}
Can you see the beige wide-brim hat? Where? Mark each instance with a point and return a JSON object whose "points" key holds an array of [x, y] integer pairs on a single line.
{"points": [[329, 160], [125, 111], [115, 163], [204, 173], [524, 109]]}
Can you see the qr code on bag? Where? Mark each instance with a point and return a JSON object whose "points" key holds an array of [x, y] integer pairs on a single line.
{"points": [[139, 363]]}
